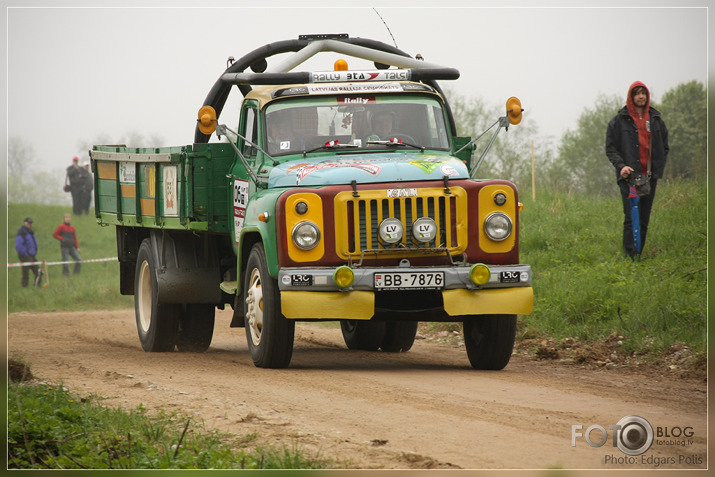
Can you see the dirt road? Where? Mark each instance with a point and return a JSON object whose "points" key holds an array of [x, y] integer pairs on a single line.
{"points": [[422, 409]]}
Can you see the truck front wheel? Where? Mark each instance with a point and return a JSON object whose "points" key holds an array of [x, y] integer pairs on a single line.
{"points": [[363, 335], [399, 336], [158, 324], [489, 340], [269, 334]]}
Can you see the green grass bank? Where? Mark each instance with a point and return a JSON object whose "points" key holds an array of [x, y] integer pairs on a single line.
{"points": [[586, 288], [51, 428]]}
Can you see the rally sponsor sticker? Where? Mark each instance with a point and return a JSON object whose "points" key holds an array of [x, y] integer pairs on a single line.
{"points": [[303, 172], [240, 201], [171, 192]]}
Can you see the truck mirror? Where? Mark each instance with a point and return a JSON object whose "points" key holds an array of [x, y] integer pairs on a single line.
{"points": [[207, 120], [513, 110]]}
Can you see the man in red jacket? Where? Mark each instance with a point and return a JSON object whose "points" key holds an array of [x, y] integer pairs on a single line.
{"points": [[637, 144], [67, 235]]}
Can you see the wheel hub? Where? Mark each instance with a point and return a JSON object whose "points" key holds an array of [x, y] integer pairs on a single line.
{"points": [[145, 297], [254, 307]]}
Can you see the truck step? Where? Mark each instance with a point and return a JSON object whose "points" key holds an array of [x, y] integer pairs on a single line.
{"points": [[229, 287]]}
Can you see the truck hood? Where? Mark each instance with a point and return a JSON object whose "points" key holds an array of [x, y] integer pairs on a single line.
{"points": [[366, 168]]}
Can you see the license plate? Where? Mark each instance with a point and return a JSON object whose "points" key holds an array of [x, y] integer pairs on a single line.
{"points": [[409, 281]]}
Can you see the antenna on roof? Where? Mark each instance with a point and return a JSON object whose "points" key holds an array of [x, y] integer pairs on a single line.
{"points": [[388, 28]]}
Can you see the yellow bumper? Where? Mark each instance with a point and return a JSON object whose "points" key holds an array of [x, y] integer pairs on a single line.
{"points": [[498, 301], [354, 305], [360, 305]]}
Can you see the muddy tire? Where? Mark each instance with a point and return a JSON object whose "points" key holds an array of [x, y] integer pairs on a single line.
{"points": [[157, 324], [489, 340], [269, 334], [196, 327], [399, 336], [363, 335]]}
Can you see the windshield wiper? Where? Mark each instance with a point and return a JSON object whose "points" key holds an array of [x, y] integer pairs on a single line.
{"points": [[394, 142], [331, 145]]}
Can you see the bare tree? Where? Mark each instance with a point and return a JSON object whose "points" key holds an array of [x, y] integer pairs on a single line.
{"points": [[25, 183], [510, 156], [20, 157]]}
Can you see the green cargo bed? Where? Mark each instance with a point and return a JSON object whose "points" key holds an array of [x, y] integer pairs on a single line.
{"points": [[173, 187]]}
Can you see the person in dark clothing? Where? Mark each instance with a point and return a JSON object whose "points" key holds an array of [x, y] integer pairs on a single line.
{"points": [[86, 185], [69, 245], [637, 143], [73, 185], [383, 125], [26, 248]]}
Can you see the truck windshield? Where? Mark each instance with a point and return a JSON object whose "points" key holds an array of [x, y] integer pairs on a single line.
{"points": [[358, 121]]}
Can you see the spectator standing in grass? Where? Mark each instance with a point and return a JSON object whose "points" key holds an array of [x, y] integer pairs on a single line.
{"points": [[69, 245], [86, 185], [26, 248], [72, 185], [637, 145]]}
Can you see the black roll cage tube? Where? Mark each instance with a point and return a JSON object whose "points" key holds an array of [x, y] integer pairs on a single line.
{"points": [[218, 94]]}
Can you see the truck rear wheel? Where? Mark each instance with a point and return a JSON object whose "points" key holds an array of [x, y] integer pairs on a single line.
{"points": [[157, 324], [269, 334], [399, 336], [196, 327], [489, 340], [363, 335]]}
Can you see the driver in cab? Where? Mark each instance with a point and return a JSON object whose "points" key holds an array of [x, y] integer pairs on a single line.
{"points": [[383, 126], [280, 133]]}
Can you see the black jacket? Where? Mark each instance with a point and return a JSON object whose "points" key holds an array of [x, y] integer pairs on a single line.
{"points": [[622, 143]]}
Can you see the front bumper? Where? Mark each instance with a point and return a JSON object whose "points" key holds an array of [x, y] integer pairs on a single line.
{"points": [[312, 293]]}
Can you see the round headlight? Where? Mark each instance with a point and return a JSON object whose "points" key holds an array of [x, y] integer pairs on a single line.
{"points": [[424, 229], [391, 230], [306, 235], [498, 227]]}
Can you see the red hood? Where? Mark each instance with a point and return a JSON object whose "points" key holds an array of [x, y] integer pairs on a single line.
{"points": [[629, 99]]}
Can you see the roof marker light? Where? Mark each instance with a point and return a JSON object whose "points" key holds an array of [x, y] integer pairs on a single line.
{"points": [[340, 65]]}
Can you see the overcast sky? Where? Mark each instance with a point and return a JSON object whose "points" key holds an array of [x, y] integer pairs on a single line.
{"points": [[77, 74]]}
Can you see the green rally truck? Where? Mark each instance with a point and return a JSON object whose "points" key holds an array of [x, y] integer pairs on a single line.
{"points": [[342, 195]]}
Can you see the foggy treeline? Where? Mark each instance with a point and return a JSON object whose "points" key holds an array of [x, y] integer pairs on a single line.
{"points": [[578, 163], [575, 164], [28, 182]]}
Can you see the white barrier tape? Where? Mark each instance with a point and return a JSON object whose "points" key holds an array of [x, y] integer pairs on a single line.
{"points": [[24, 264]]}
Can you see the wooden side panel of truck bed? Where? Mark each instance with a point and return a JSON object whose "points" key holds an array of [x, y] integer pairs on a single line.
{"points": [[175, 188]]}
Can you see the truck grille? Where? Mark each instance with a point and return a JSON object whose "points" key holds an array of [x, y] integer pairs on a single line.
{"points": [[357, 220]]}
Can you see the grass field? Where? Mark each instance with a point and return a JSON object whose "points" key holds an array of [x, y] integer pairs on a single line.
{"points": [[584, 286], [95, 287]]}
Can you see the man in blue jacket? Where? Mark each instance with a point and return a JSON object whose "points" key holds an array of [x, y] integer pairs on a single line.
{"points": [[637, 143], [26, 247]]}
